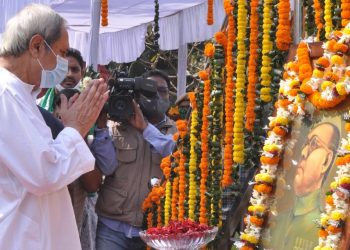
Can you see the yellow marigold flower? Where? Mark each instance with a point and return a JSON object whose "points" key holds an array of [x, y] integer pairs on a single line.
{"points": [[336, 215], [282, 120], [340, 86], [326, 84], [344, 180], [263, 177], [318, 73], [335, 59], [324, 219], [266, 98], [265, 91], [334, 185]]}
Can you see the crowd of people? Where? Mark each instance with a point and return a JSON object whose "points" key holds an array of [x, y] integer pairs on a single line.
{"points": [[70, 178]]}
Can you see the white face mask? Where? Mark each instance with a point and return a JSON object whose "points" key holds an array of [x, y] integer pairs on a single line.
{"points": [[50, 78], [59, 87]]}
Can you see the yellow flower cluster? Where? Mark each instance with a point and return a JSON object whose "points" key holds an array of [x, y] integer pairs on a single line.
{"points": [[238, 133], [193, 166], [267, 46], [250, 238], [264, 177], [328, 17], [167, 203], [336, 215], [257, 209]]}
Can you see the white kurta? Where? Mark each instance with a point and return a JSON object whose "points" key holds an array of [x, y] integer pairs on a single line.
{"points": [[35, 207]]}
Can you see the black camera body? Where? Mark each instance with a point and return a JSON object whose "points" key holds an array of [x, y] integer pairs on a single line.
{"points": [[122, 92]]}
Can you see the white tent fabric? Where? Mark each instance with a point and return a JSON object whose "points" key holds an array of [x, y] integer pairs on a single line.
{"points": [[123, 39]]}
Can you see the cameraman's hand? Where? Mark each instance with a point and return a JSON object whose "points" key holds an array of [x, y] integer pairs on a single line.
{"points": [[102, 120], [138, 121], [82, 110]]}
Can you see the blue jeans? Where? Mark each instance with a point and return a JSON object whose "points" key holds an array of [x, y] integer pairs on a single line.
{"points": [[108, 239]]}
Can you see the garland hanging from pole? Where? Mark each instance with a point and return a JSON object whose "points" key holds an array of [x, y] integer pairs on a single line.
{"points": [[210, 17], [104, 12], [156, 26]]}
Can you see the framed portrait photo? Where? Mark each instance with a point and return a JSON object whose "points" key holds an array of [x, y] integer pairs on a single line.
{"points": [[306, 170]]}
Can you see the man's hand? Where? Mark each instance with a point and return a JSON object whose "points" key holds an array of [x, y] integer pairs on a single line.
{"points": [[102, 120], [82, 110], [138, 121]]}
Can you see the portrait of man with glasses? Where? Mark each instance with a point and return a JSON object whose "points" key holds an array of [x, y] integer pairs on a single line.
{"points": [[314, 156]]}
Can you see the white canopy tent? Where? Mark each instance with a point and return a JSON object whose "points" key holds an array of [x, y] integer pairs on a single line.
{"points": [[123, 40]]}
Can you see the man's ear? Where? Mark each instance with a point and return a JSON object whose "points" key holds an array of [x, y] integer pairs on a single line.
{"points": [[327, 162], [36, 46]]}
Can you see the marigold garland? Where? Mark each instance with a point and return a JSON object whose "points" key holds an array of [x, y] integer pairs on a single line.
{"points": [[283, 34], [229, 88], [104, 12], [210, 16], [345, 12], [328, 17], [290, 106], [167, 204], [174, 199], [252, 65], [267, 46], [318, 18], [193, 166], [238, 130], [203, 218], [182, 187]]}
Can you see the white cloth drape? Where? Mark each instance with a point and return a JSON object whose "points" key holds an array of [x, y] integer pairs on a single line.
{"points": [[123, 39]]}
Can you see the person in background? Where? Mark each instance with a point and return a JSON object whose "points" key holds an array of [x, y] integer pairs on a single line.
{"points": [[141, 142], [35, 169], [180, 109], [71, 81]]}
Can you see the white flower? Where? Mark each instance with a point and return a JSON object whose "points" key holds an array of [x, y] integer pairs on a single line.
{"points": [[328, 94], [85, 82]]}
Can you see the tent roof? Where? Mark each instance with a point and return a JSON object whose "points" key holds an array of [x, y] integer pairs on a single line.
{"points": [[181, 21]]}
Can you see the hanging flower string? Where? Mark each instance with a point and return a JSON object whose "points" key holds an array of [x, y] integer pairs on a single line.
{"points": [[203, 217], [345, 12], [283, 34], [210, 17], [229, 88], [104, 12], [193, 163], [238, 130], [318, 18], [328, 17], [174, 199], [252, 65], [167, 204], [267, 46]]}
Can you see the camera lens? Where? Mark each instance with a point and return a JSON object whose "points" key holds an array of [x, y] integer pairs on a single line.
{"points": [[119, 105]]}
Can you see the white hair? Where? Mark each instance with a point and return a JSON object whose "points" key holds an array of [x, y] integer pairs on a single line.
{"points": [[33, 19]]}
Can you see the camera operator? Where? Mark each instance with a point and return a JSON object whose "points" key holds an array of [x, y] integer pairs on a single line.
{"points": [[141, 143]]}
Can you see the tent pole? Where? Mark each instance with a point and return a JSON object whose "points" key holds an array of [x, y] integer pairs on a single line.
{"points": [[92, 59], [181, 60], [298, 19]]}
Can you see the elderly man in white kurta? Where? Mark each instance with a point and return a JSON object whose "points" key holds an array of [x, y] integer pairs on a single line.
{"points": [[35, 208]]}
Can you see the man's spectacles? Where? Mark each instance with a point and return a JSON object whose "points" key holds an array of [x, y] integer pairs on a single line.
{"points": [[314, 143]]}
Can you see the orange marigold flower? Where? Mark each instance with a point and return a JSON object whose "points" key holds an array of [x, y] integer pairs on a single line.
{"points": [[323, 62], [209, 50], [322, 233]]}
